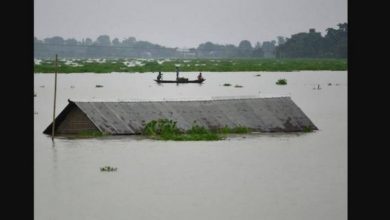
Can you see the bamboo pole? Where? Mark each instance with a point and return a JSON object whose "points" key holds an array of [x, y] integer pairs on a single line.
{"points": [[55, 96]]}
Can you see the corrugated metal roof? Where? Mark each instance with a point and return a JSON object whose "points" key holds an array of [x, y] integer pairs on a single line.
{"points": [[260, 114]]}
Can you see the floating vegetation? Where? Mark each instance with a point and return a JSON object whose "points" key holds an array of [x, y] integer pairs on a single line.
{"points": [[227, 84], [132, 63], [317, 88], [258, 74], [188, 65], [281, 82], [329, 84], [108, 169], [99, 86], [238, 86], [72, 63], [164, 129], [37, 61]]}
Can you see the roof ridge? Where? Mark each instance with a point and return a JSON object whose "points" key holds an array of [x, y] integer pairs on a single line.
{"points": [[195, 100]]}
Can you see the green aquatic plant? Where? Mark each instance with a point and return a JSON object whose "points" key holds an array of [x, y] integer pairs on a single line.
{"points": [[281, 82], [164, 129], [108, 169]]}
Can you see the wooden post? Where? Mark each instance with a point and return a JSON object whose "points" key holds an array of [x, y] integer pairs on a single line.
{"points": [[55, 95]]}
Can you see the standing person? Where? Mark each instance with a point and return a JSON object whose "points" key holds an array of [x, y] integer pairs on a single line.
{"points": [[200, 76], [159, 76], [177, 73]]}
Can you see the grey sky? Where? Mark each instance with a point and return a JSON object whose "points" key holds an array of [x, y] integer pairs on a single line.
{"points": [[185, 23]]}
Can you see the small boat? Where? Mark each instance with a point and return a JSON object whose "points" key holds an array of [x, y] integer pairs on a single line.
{"points": [[180, 81]]}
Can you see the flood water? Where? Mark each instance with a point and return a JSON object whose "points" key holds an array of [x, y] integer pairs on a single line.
{"points": [[252, 176]]}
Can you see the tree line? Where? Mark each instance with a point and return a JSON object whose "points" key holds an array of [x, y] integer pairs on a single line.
{"points": [[301, 45]]}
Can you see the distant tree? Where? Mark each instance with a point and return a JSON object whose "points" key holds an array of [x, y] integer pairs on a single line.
{"points": [[132, 39], [103, 40], [230, 51], [37, 41], [281, 40], [269, 49], [54, 40], [245, 48], [302, 45], [129, 41], [71, 41], [245, 45], [258, 51], [88, 41], [310, 44], [336, 41], [208, 46], [116, 42], [343, 27], [210, 49]]}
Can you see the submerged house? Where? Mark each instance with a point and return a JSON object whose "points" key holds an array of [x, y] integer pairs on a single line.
{"points": [[279, 114]]}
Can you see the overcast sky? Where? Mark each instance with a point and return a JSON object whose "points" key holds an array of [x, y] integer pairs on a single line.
{"points": [[185, 23]]}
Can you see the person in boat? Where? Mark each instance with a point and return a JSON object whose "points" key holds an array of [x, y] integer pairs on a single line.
{"points": [[200, 77], [159, 76]]}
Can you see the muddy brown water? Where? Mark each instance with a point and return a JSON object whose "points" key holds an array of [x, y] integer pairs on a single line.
{"points": [[253, 176]]}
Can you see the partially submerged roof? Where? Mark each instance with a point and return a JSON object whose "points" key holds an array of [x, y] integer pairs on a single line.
{"points": [[278, 114]]}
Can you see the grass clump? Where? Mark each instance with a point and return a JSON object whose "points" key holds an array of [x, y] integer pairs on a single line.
{"points": [[161, 127], [281, 82], [307, 129], [90, 133], [234, 130], [164, 129]]}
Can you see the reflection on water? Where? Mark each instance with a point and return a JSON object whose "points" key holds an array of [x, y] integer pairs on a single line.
{"points": [[252, 176]]}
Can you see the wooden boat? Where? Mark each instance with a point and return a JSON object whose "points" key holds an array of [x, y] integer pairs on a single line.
{"points": [[180, 81]]}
